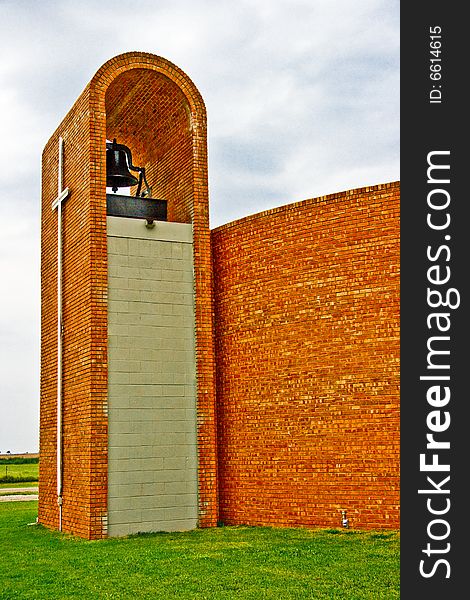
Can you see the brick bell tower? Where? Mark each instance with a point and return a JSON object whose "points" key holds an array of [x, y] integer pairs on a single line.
{"points": [[127, 407]]}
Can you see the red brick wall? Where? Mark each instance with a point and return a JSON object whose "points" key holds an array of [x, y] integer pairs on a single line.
{"points": [[84, 357], [149, 104], [307, 350]]}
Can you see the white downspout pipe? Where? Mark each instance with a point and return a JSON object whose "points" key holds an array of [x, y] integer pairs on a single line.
{"points": [[59, 360], [62, 194]]}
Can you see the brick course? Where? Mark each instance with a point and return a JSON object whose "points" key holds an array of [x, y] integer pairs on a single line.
{"points": [[307, 349]]}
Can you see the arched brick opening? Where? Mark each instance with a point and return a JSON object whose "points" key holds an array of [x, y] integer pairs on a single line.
{"points": [[149, 113]]}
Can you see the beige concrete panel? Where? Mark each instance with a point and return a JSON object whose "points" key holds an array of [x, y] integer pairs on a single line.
{"points": [[152, 455]]}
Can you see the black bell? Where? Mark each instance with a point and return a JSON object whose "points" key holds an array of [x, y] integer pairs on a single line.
{"points": [[117, 166]]}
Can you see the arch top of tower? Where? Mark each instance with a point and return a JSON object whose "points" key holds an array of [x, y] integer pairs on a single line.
{"points": [[153, 63]]}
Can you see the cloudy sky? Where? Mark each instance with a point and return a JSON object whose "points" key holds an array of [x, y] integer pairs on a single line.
{"points": [[302, 99]]}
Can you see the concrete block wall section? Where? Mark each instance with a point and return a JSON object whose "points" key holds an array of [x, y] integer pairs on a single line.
{"points": [[152, 443]]}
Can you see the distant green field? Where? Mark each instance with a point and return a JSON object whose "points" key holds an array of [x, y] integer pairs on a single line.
{"points": [[18, 460], [12, 473]]}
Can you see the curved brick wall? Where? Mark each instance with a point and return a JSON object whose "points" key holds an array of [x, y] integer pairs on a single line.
{"points": [[307, 351]]}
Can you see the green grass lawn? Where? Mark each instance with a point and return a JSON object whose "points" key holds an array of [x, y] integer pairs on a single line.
{"points": [[22, 471], [23, 484], [227, 563]]}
